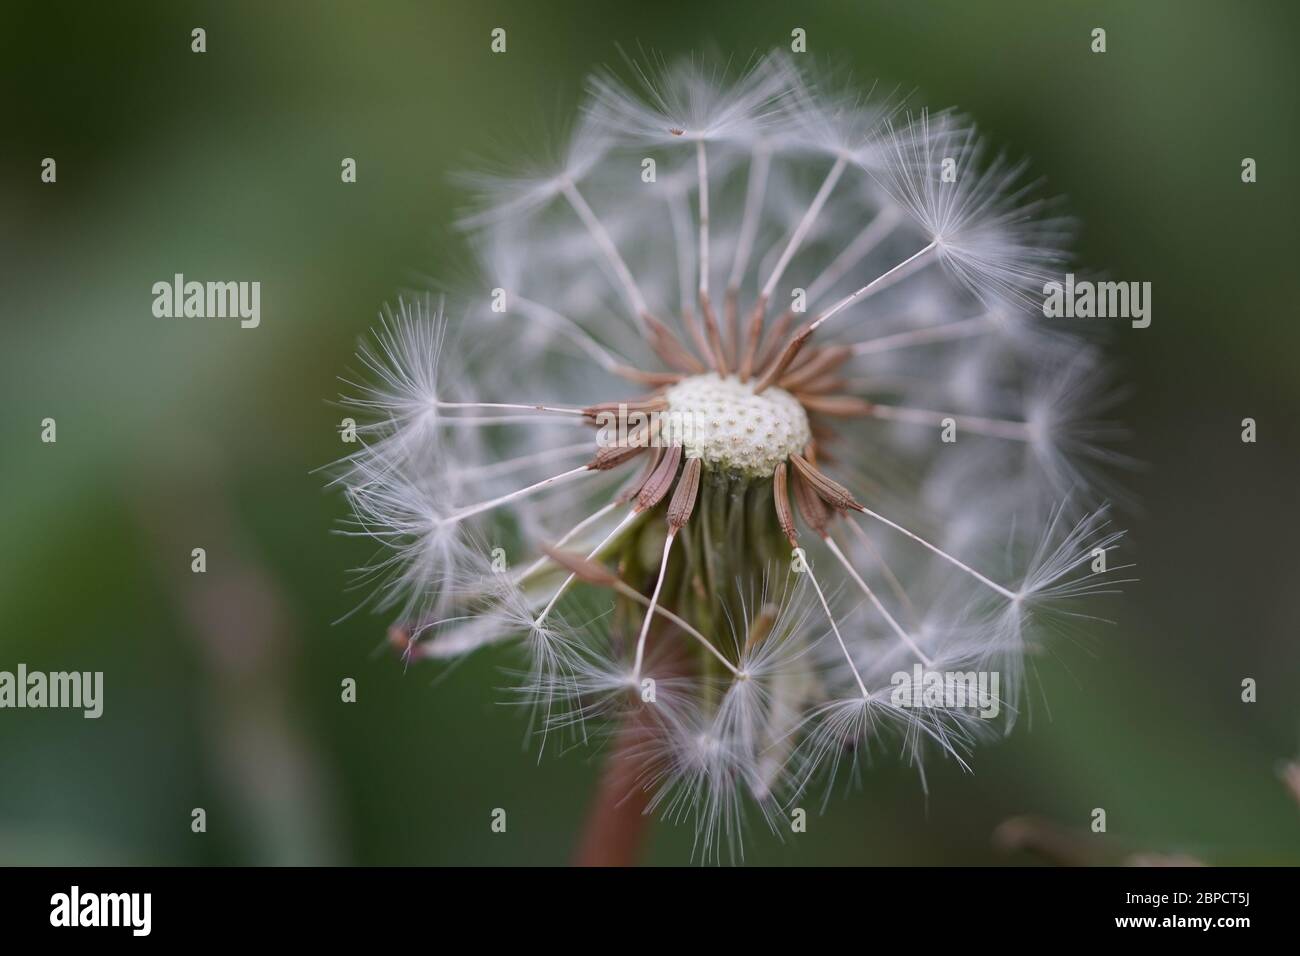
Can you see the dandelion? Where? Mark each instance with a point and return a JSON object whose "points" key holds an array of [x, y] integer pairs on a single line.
{"points": [[755, 435]]}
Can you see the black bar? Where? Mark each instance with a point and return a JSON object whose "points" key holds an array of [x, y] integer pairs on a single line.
{"points": [[328, 906]]}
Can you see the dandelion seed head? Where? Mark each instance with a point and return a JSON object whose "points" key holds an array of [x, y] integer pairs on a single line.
{"points": [[750, 409]]}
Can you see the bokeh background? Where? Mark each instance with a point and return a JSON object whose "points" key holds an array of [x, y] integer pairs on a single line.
{"points": [[222, 690]]}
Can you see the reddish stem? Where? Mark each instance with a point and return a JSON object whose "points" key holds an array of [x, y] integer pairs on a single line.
{"points": [[617, 823]]}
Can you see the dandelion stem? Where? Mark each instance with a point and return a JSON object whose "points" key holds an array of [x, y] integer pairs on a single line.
{"points": [[618, 819]]}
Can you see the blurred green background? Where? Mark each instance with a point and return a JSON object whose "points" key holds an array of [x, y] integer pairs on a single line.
{"points": [[222, 690]]}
